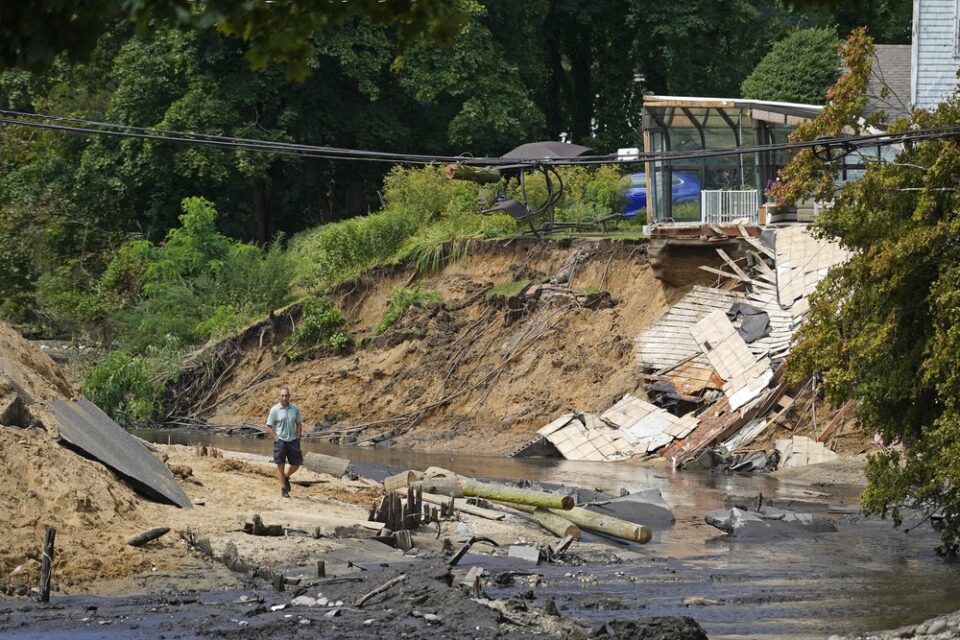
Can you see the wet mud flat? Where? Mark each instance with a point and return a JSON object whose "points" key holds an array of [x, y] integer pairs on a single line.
{"points": [[864, 576], [418, 601]]}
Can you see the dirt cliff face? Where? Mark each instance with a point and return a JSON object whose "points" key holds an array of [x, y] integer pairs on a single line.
{"points": [[479, 373]]}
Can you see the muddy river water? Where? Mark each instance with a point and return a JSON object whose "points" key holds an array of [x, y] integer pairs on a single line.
{"points": [[866, 576]]}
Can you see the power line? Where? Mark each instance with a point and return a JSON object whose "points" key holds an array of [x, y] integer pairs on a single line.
{"points": [[844, 145]]}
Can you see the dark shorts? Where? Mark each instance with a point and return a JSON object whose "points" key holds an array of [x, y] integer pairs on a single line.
{"points": [[287, 452]]}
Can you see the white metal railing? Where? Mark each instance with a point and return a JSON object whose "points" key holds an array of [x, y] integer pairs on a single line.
{"points": [[726, 206]]}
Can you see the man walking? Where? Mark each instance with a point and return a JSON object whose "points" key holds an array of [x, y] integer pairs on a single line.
{"points": [[285, 424]]}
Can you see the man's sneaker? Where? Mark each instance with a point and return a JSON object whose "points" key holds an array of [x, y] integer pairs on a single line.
{"points": [[286, 484], [284, 493]]}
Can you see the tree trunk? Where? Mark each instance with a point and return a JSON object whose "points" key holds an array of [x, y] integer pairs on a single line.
{"points": [[261, 211]]}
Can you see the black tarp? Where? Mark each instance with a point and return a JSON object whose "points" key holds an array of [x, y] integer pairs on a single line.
{"points": [[755, 323], [89, 431]]}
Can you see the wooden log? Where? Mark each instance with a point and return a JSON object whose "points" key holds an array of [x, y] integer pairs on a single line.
{"points": [[557, 525], [441, 486], [439, 472], [480, 175], [473, 510], [320, 463], [147, 536], [516, 495], [401, 480], [46, 566], [606, 524]]}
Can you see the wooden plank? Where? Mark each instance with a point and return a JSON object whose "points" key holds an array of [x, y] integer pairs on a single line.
{"points": [[759, 246], [732, 264], [722, 273], [836, 421]]}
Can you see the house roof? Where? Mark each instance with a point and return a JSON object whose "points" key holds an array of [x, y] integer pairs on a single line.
{"points": [[891, 69]]}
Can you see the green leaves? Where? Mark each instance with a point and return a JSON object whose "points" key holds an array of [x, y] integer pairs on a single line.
{"points": [[798, 68], [882, 328]]}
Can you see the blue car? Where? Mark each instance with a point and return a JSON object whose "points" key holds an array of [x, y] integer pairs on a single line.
{"points": [[686, 188]]}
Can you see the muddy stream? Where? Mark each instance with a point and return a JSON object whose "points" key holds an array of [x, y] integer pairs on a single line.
{"points": [[866, 576]]}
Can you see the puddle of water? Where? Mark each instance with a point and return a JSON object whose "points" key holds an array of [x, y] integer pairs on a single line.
{"points": [[867, 576]]}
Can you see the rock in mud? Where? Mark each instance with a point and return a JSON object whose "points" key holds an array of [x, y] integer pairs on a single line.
{"points": [[654, 628], [767, 524]]}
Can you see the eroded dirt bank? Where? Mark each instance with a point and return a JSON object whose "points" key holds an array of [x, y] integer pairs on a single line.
{"points": [[479, 370]]}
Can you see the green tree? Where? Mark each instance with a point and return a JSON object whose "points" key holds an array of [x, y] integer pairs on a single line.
{"points": [[798, 68], [883, 327], [33, 34]]}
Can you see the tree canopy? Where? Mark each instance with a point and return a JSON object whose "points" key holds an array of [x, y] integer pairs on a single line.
{"points": [[883, 327], [798, 68]]}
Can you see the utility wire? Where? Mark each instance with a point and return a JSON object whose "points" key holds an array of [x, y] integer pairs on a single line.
{"points": [[843, 145]]}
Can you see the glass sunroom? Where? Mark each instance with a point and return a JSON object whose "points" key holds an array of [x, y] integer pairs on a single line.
{"points": [[720, 188]]}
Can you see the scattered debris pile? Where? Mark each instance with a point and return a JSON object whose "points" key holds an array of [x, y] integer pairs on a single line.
{"points": [[713, 363], [412, 497]]}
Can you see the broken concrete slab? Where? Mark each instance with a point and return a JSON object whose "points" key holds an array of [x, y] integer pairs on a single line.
{"points": [[86, 429], [800, 451], [525, 552]]}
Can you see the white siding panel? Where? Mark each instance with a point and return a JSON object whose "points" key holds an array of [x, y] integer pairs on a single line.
{"points": [[936, 52]]}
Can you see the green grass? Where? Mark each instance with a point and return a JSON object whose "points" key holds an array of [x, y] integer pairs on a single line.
{"points": [[507, 289], [402, 299]]}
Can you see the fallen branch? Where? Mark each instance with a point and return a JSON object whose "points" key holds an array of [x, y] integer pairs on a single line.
{"points": [[463, 550], [385, 586]]}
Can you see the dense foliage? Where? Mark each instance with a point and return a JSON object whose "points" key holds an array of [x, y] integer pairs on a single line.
{"points": [[145, 247], [884, 328], [798, 68]]}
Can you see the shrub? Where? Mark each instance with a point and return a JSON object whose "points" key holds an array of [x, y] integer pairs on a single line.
{"points": [[322, 325], [402, 299], [588, 193], [798, 68], [129, 388]]}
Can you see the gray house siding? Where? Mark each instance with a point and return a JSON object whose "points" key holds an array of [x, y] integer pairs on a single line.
{"points": [[935, 52]]}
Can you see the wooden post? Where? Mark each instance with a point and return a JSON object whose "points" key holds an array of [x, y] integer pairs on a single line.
{"points": [[506, 493], [47, 565], [606, 524], [557, 525], [321, 568]]}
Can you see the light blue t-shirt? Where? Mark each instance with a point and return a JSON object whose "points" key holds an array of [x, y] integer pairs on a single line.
{"points": [[284, 420]]}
